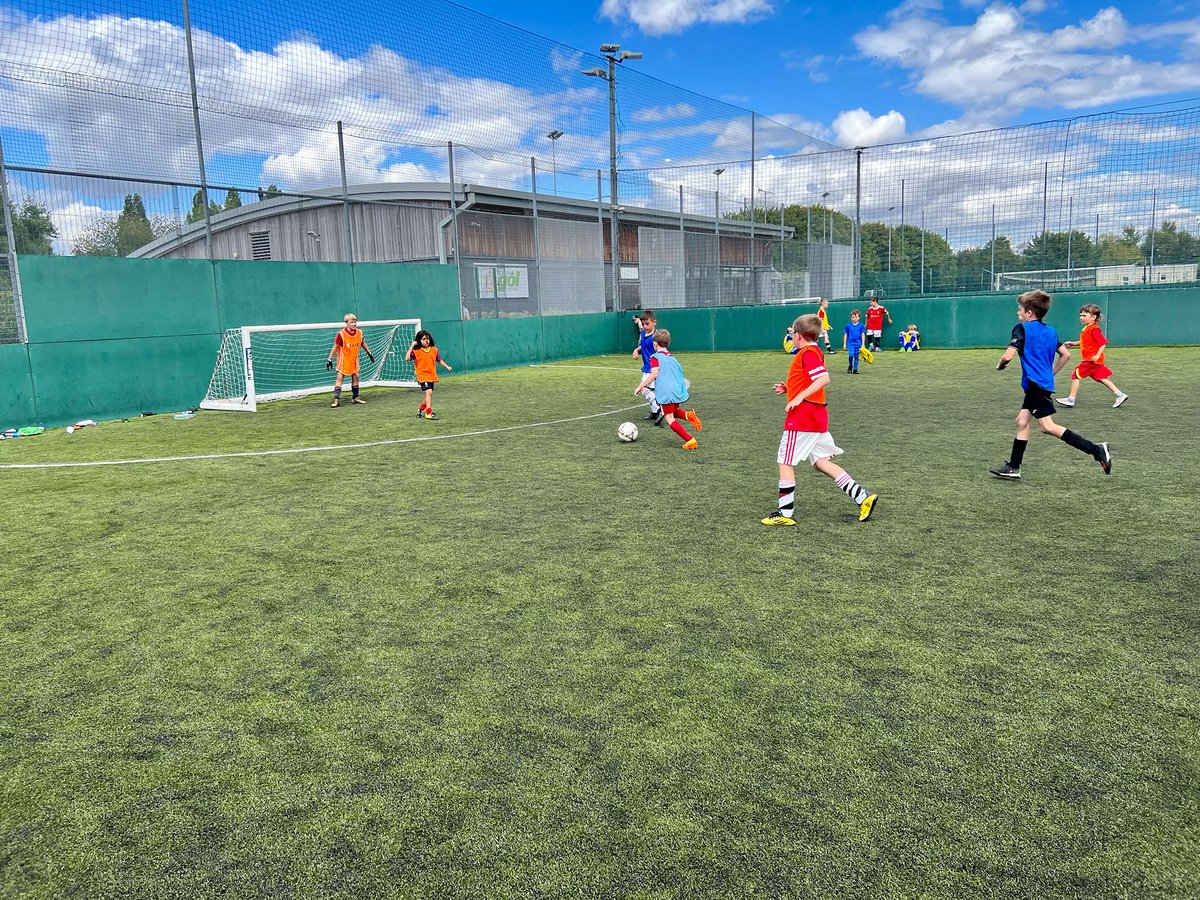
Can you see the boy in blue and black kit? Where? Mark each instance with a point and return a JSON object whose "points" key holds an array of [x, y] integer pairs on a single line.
{"points": [[852, 342], [1042, 355], [646, 324]]}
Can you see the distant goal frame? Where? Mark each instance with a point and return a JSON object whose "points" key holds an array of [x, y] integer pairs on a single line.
{"points": [[250, 399]]}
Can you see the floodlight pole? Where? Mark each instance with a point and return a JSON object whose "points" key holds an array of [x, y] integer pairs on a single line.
{"points": [[554, 136], [614, 54]]}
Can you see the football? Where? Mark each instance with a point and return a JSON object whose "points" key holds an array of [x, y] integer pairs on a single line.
{"points": [[627, 431]]}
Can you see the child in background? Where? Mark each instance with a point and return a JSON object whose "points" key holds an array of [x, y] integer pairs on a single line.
{"points": [[852, 342], [670, 387], [1042, 355], [875, 314], [910, 340], [806, 436], [646, 324], [1091, 346], [425, 357], [345, 347], [789, 341], [823, 315]]}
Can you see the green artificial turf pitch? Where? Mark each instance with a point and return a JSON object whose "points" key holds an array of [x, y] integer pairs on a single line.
{"points": [[539, 662]]}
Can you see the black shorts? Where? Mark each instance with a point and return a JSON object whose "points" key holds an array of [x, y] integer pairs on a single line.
{"points": [[426, 385], [1038, 401]]}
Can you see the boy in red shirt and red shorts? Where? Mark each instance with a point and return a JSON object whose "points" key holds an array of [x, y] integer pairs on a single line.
{"points": [[1091, 346], [806, 436]]}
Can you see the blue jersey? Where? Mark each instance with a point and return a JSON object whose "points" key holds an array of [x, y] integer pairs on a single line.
{"points": [[669, 386], [1037, 344], [646, 345], [854, 334]]}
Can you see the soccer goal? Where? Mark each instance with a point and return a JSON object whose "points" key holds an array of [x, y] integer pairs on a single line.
{"points": [[257, 363]]}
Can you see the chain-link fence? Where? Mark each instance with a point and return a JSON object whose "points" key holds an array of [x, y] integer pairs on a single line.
{"points": [[165, 130]]}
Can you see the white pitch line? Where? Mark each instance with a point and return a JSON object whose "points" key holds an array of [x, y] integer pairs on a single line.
{"points": [[294, 450], [606, 368]]}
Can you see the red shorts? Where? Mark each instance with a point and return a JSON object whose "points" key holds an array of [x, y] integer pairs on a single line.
{"points": [[1094, 371], [675, 409]]}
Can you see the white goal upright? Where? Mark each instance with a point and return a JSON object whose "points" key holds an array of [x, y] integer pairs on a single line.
{"points": [[257, 363]]}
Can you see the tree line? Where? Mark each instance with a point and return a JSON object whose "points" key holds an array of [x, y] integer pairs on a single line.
{"points": [[129, 230], [897, 249]]}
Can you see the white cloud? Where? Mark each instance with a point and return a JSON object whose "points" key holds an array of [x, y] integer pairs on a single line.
{"points": [[266, 115], [1002, 63], [72, 219], [656, 17], [858, 128], [665, 113]]}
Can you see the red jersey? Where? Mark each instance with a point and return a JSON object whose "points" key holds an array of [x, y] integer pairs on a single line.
{"points": [[811, 415], [1091, 342], [875, 316]]}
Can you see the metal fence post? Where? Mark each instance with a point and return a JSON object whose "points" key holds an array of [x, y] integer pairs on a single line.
{"points": [[14, 274], [191, 62], [345, 195], [454, 225]]}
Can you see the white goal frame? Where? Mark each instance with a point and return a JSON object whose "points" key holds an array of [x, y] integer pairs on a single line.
{"points": [[249, 401]]}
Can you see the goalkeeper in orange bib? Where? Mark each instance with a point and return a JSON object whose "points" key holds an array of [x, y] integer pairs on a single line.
{"points": [[345, 348]]}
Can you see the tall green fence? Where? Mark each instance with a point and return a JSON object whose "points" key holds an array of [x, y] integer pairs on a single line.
{"points": [[110, 338]]}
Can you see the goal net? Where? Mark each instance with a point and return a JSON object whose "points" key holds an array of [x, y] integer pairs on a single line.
{"points": [[257, 363]]}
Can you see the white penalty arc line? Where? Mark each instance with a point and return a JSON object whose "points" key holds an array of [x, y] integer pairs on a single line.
{"points": [[295, 450]]}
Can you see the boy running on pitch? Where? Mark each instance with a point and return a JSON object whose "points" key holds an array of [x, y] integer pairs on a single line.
{"points": [[646, 324], [806, 436], [345, 347], [1091, 346], [670, 387], [1042, 355]]}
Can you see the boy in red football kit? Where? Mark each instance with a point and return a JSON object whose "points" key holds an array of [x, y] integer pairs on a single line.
{"points": [[345, 347], [875, 314], [1091, 345], [425, 358], [806, 436]]}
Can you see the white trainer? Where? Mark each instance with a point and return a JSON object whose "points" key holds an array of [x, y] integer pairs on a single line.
{"points": [[1066, 401], [1121, 398]]}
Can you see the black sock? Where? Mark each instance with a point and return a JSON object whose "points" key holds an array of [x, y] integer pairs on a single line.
{"points": [[337, 393], [1081, 443], [1018, 453], [354, 390]]}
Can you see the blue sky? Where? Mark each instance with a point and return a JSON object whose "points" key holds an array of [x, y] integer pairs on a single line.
{"points": [[872, 72], [408, 75]]}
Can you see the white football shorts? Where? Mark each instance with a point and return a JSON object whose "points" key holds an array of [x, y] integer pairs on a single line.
{"points": [[796, 447]]}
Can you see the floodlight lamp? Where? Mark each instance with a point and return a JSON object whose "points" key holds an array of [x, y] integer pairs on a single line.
{"points": [[555, 135], [629, 54], [596, 73], [719, 172], [609, 48]]}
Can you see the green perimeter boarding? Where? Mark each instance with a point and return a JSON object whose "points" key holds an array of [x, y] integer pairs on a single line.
{"points": [[113, 338]]}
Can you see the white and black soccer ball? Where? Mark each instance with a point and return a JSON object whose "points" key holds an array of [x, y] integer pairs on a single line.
{"points": [[627, 432]]}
